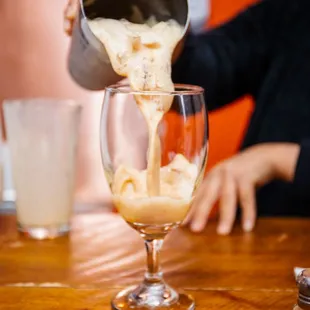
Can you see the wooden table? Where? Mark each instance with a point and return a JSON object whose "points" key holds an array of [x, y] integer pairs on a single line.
{"points": [[103, 255]]}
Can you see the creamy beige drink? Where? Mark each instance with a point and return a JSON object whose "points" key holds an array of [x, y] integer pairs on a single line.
{"points": [[157, 195], [176, 186]]}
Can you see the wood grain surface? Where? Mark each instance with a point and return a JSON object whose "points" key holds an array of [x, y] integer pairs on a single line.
{"points": [[103, 254]]}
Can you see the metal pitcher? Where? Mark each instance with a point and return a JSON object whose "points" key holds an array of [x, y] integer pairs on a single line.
{"points": [[88, 61]]}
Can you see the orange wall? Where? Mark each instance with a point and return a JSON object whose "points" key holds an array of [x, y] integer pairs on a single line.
{"points": [[222, 10], [228, 124]]}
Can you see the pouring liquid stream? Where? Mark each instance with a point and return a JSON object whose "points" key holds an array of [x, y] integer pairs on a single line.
{"points": [[143, 52]]}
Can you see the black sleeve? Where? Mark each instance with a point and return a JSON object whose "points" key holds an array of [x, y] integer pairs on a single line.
{"points": [[301, 181], [230, 61]]}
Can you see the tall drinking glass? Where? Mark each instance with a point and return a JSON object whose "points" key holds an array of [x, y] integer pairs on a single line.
{"points": [[42, 137], [154, 193]]}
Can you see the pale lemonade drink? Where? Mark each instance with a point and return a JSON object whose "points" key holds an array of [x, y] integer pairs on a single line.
{"points": [[42, 137]]}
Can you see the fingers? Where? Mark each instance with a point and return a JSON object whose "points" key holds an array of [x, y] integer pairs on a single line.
{"points": [[228, 205], [189, 216], [207, 196], [69, 16], [227, 186], [248, 205], [71, 9], [68, 27]]}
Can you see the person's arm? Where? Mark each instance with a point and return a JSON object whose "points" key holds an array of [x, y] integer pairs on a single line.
{"points": [[230, 61], [234, 181]]}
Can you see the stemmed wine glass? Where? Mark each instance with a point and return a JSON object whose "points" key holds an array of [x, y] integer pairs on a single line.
{"points": [[153, 170]]}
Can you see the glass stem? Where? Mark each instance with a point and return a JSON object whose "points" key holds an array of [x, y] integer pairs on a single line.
{"points": [[153, 274]]}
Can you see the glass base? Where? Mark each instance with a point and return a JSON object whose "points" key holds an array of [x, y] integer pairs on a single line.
{"points": [[157, 296], [42, 233], [153, 231]]}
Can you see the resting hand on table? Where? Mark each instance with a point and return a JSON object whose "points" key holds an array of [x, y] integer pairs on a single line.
{"points": [[234, 181]]}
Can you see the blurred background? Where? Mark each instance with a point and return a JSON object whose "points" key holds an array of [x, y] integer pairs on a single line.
{"points": [[33, 62]]}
